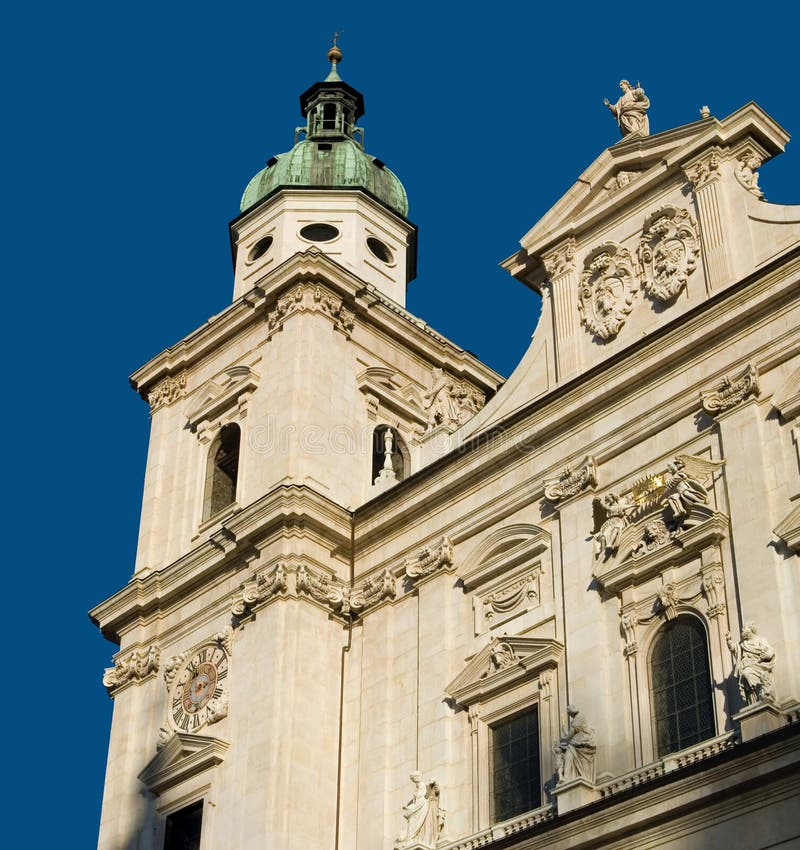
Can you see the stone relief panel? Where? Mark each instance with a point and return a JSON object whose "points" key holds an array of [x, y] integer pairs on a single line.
{"points": [[731, 392], [668, 252], [607, 290], [500, 603], [136, 666], [168, 391], [450, 402]]}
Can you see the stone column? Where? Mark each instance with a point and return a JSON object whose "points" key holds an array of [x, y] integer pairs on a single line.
{"points": [[563, 286]]}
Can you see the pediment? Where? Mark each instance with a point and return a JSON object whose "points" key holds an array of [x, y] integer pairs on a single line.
{"points": [[633, 168], [502, 551], [181, 758], [217, 396], [503, 664]]}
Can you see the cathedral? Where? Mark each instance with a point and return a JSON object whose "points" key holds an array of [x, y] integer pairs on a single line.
{"points": [[384, 599]]}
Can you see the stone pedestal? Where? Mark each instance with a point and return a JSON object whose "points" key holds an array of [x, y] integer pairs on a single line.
{"points": [[574, 794], [759, 719]]}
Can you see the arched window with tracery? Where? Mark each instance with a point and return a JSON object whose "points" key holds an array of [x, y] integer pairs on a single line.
{"points": [[222, 471], [680, 686]]}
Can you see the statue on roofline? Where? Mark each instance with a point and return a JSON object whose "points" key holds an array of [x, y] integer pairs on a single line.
{"points": [[631, 110]]}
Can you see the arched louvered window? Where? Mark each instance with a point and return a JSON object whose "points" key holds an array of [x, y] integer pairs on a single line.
{"points": [[680, 686], [222, 471]]}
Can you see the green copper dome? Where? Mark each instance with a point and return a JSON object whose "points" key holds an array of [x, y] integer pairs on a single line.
{"points": [[341, 164], [331, 156]]}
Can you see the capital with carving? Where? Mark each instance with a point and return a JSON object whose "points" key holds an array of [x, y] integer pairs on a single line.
{"points": [[731, 392]]}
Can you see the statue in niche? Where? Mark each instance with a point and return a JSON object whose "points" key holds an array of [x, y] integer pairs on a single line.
{"points": [[425, 819], [753, 663], [575, 752], [631, 110], [611, 514]]}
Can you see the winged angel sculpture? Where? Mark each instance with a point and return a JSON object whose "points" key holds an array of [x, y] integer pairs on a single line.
{"points": [[677, 490]]}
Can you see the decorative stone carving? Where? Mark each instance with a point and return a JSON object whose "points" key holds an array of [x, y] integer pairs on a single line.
{"points": [[224, 638], [571, 481], [732, 392], [428, 561], [343, 319], [168, 391], [507, 598], [373, 591], [331, 593], [134, 667], [560, 261], [668, 600], [713, 584], [218, 708], [704, 170], [627, 627], [654, 535], [746, 168], [171, 667], [611, 516], [284, 307], [607, 289], [678, 489], [575, 752], [259, 590], [546, 684], [631, 110], [425, 818], [621, 180], [501, 655], [668, 252], [753, 663], [164, 735], [449, 402]]}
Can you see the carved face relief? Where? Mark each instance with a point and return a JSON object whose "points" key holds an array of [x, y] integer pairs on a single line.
{"points": [[607, 289], [668, 252]]}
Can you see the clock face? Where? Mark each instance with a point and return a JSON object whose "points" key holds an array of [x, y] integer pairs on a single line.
{"points": [[198, 682]]}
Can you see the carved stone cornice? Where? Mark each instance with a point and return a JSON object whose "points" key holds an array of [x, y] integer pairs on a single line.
{"points": [[732, 392], [327, 591], [430, 561], [136, 666], [168, 391], [372, 591], [284, 307], [561, 260], [258, 591], [571, 481], [607, 289], [343, 318], [668, 251]]}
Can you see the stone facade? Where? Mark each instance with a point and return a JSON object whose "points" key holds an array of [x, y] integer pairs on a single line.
{"points": [[293, 658]]}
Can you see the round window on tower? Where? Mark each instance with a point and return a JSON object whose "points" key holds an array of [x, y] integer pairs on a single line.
{"points": [[259, 249], [319, 232], [380, 250]]}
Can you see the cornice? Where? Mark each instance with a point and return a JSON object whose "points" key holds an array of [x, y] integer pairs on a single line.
{"points": [[312, 267], [287, 506]]}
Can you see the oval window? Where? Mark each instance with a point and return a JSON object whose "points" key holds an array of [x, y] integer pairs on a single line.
{"points": [[259, 249], [380, 250], [318, 232]]}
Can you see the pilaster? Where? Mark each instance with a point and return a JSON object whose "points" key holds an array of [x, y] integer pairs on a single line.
{"points": [[563, 286]]}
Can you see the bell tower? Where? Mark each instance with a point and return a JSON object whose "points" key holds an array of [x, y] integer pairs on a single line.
{"points": [[327, 192]]}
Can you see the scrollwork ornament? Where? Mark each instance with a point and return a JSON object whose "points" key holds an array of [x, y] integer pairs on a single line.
{"points": [[571, 481], [668, 252], [428, 561], [607, 290], [732, 391]]}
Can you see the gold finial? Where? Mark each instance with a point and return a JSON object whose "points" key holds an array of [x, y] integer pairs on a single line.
{"points": [[334, 54]]}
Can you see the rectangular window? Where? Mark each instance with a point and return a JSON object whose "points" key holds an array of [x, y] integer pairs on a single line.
{"points": [[516, 784], [183, 828]]}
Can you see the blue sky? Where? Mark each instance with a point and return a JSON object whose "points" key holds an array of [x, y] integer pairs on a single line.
{"points": [[132, 134]]}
